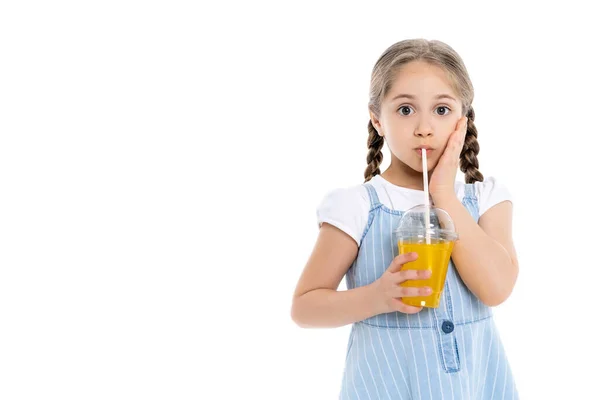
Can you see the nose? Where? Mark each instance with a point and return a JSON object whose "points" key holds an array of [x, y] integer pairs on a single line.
{"points": [[424, 128]]}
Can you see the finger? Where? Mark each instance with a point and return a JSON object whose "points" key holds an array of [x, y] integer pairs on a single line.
{"points": [[461, 127], [411, 291], [461, 124], [463, 132], [411, 274], [402, 259], [453, 148], [405, 308], [456, 143]]}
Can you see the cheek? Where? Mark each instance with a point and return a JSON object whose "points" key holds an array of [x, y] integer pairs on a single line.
{"points": [[398, 145], [446, 139], [401, 149]]}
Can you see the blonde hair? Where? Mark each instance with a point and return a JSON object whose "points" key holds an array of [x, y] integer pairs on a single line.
{"points": [[436, 53]]}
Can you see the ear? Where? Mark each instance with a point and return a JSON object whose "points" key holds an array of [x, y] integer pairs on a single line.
{"points": [[376, 123]]}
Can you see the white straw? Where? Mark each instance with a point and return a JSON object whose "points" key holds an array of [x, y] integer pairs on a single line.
{"points": [[426, 195]]}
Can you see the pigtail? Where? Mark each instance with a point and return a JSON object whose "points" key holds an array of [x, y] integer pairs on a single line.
{"points": [[374, 156], [468, 156]]}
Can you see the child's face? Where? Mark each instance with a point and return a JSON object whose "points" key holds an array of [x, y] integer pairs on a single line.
{"points": [[422, 120]]}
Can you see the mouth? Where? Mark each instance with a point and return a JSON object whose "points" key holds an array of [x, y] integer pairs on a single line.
{"points": [[427, 148]]}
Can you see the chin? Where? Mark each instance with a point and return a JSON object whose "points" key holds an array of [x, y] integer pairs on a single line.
{"points": [[416, 165], [419, 169], [416, 168]]}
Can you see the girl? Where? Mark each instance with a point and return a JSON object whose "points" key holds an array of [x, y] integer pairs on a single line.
{"points": [[420, 97]]}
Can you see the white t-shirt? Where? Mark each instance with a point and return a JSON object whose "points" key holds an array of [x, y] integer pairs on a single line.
{"points": [[348, 208]]}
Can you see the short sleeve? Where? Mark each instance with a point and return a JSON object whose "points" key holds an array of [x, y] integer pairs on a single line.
{"points": [[347, 209], [491, 192]]}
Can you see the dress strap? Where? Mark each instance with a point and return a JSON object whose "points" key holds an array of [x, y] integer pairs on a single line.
{"points": [[372, 195], [470, 191], [470, 201]]}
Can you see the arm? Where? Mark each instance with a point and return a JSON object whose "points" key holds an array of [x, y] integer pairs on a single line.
{"points": [[484, 255], [316, 302]]}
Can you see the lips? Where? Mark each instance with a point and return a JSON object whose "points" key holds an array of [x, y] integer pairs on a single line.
{"points": [[429, 150]]}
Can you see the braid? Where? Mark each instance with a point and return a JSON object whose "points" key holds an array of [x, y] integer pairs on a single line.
{"points": [[468, 156], [374, 156]]}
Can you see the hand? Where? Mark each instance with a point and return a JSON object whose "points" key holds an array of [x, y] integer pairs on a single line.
{"points": [[387, 291], [442, 180]]}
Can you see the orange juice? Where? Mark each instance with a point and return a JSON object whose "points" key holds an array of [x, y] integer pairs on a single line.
{"points": [[434, 257]]}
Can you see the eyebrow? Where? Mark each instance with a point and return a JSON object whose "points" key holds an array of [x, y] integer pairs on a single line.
{"points": [[410, 96]]}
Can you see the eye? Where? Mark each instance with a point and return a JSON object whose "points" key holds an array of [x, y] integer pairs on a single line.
{"points": [[403, 109], [442, 108]]}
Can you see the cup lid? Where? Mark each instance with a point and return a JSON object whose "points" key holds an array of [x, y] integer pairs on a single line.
{"points": [[413, 223]]}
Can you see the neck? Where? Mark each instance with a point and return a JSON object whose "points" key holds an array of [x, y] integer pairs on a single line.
{"points": [[401, 174]]}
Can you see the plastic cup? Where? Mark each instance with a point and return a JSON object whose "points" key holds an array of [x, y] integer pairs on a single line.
{"points": [[433, 243]]}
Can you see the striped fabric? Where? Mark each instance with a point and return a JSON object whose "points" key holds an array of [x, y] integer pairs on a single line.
{"points": [[452, 352]]}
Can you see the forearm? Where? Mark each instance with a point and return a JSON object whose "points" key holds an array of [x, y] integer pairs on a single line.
{"points": [[484, 265], [327, 308]]}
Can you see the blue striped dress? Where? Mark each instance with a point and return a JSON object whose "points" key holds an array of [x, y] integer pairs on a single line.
{"points": [[452, 352]]}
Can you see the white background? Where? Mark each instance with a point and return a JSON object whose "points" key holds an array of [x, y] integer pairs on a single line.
{"points": [[161, 163]]}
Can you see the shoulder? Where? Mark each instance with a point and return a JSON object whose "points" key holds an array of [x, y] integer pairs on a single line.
{"points": [[352, 195], [347, 209], [491, 192]]}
